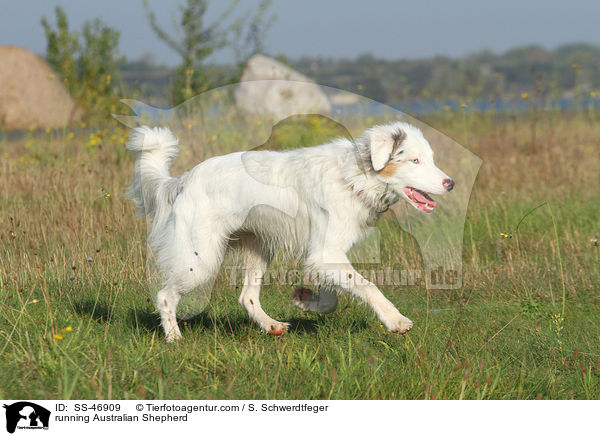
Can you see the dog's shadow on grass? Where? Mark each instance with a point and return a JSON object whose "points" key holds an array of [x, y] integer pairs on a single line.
{"points": [[97, 311], [148, 321], [234, 324]]}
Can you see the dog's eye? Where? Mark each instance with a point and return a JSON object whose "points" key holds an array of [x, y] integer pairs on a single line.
{"points": [[415, 161]]}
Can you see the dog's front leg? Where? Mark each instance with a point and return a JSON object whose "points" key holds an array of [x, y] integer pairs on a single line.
{"points": [[339, 271]]}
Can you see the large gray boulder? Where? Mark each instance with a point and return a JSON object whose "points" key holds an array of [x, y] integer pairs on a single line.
{"points": [[270, 89], [31, 94]]}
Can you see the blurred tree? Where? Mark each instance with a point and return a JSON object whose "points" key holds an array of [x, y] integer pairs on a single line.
{"points": [[61, 46], [88, 63], [198, 40]]}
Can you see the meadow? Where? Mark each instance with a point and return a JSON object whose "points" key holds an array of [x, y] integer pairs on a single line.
{"points": [[77, 322]]}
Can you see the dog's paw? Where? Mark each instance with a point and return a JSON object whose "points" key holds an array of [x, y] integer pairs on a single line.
{"points": [[173, 336], [302, 298], [401, 325], [278, 329]]}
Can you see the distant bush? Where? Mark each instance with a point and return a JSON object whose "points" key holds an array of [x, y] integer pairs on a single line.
{"points": [[88, 63], [569, 71]]}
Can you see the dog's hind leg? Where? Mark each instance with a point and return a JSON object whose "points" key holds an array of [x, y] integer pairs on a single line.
{"points": [[256, 261], [166, 303], [325, 301], [190, 259]]}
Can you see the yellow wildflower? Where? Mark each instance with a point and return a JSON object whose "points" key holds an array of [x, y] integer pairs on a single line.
{"points": [[94, 140]]}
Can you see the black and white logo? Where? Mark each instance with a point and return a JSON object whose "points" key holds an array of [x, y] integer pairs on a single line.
{"points": [[26, 415]]}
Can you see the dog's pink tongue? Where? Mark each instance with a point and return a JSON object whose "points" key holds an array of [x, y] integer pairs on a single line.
{"points": [[422, 199]]}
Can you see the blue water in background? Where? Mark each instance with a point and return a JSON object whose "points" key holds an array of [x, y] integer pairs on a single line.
{"points": [[507, 106]]}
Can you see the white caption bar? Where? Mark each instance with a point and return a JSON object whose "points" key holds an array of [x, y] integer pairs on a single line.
{"points": [[297, 417]]}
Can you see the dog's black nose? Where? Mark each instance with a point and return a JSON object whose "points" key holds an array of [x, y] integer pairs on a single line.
{"points": [[448, 184]]}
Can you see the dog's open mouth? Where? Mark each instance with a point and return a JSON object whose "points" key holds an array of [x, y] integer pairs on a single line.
{"points": [[420, 199]]}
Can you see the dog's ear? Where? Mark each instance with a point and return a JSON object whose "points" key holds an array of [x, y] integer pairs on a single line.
{"points": [[383, 145]]}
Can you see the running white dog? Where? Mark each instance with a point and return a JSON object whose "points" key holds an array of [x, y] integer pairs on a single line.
{"points": [[312, 202]]}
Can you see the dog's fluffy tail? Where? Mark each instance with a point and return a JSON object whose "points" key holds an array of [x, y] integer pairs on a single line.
{"points": [[153, 190]]}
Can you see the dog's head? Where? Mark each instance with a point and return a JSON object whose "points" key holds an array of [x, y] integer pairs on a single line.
{"points": [[402, 158]]}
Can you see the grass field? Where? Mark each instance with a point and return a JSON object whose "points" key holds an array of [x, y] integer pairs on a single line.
{"points": [[76, 320]]}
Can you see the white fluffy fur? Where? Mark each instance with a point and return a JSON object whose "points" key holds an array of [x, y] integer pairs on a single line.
{"points": [[312, 202]]}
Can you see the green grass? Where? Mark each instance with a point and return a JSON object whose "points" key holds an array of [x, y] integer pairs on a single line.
{"points": [[526, 325], [459, 348]]}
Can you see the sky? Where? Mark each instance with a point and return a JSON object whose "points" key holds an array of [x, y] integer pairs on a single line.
{"points": [[386, 29]]}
